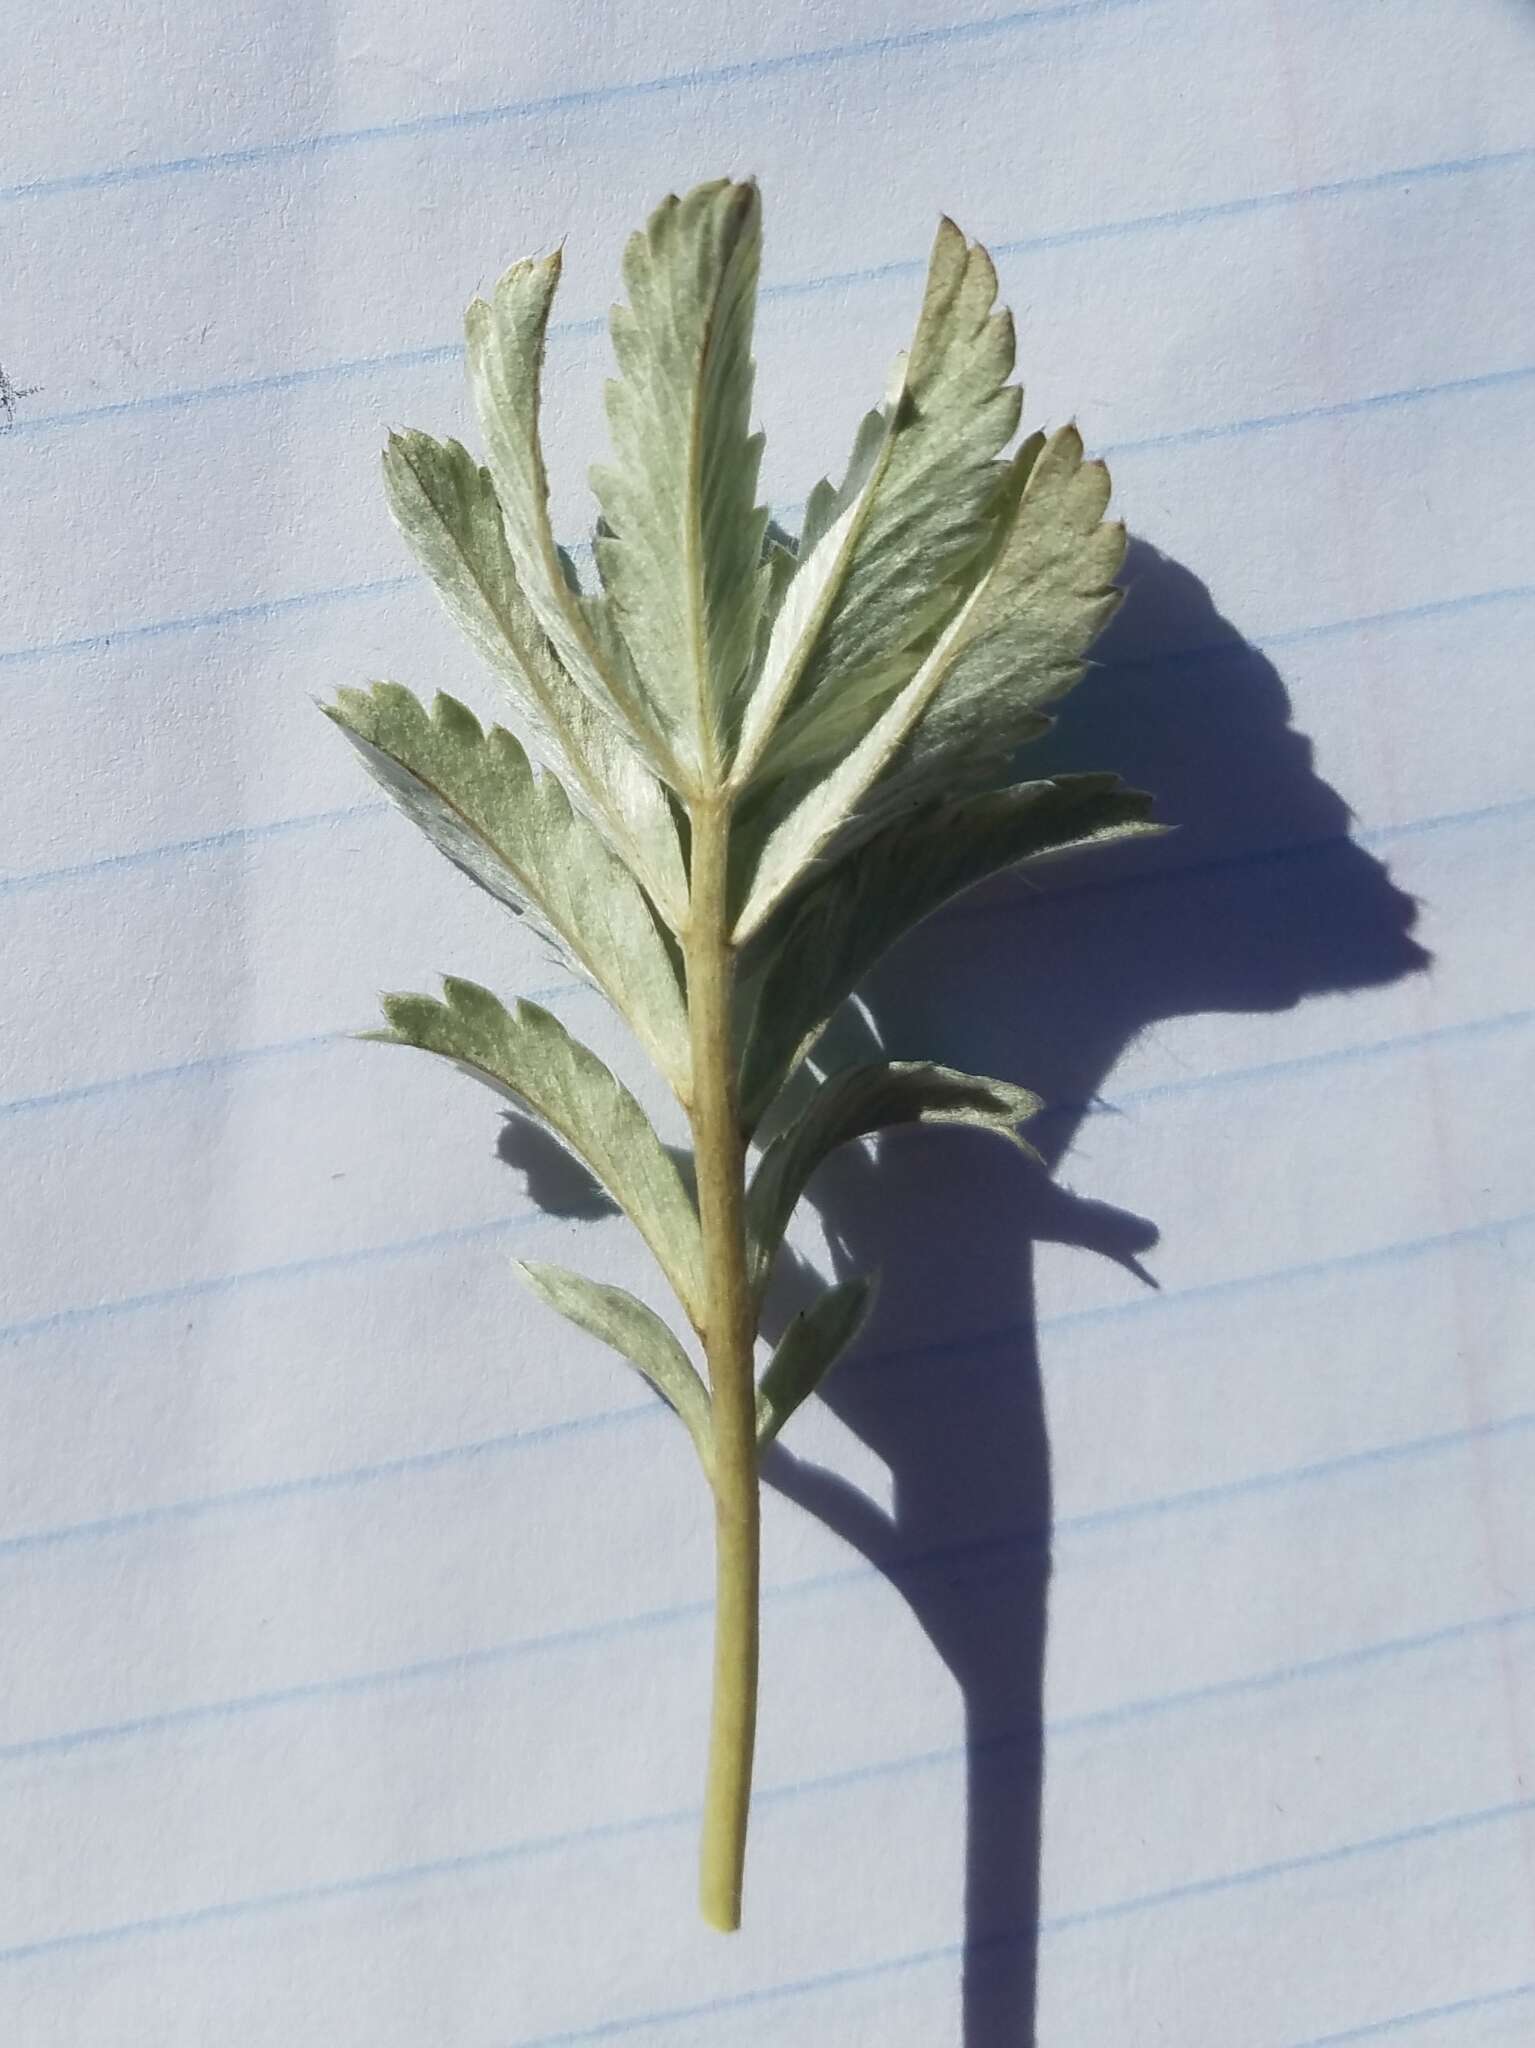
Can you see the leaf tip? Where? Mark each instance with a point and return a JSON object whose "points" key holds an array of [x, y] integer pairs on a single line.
{"points": [[1069, 439]]}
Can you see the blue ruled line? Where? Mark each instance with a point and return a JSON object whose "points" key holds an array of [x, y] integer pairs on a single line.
{"points": [[306, 600], [267, 386], [504, 1855], [155, 1926], [258, 1276], [1347, 408], [1229, 648], [949, 1558], [748, 71], [202, 622], [366, 1475], [188, 849], [790, 290], [211, 1063], [74, 1316], [1377, 2030], [203, 1066], [955, 1952]]}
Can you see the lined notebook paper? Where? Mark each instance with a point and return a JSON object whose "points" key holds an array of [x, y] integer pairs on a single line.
{"points": [[1150, 1608]]}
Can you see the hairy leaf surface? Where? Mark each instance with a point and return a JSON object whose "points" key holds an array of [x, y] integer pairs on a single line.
{"points": [[528, 1056], [822, 944], [681, 560], [918, 502], [637, 1333], [506, 335], [1016, 643], [445, 506], [813, 1343], [1048, 596], [853, 1103], [740, 767], [476, 798]]}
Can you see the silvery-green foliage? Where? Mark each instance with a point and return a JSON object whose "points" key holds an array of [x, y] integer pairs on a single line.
{"points": [[636, 1332], [477, 799], [853, 1104], [529, 1057], [820, 945], [808, 1349], [851, 699], [447, 509], [681, 553]]}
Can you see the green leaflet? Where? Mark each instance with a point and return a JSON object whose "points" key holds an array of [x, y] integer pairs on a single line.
{"points": [[822, 729], [682, 562], [828, 501], [813, 1343], [1050, 593], [505, 336], [476, 798], [853, 1103], [743, 766], [446, 508], [918, 502], [819, 947], [529, 1056], [780, 555], [1016, 643], [637, 1333]]}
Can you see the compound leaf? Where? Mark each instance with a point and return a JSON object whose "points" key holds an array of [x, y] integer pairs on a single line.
{"points": [[529, 1057], [638, 1334], [919, 500], [475, 796], [822, 943], [813, 1343], [851, 1104], [446, 508], [1017, 642], [506, 334], [681, 557]]}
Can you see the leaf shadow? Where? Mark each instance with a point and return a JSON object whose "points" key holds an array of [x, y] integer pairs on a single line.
{"points": [[553, 1179], [1259, 900]]}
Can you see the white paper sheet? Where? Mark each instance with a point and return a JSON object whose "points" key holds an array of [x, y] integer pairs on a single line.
{"points": [[356, 1611]]}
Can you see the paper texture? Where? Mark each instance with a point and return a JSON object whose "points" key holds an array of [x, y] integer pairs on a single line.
{"points": [[356, 1608]]}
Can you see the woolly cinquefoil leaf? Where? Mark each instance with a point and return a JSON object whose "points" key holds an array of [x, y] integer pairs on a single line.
{"points": [[506, 335], [1017, 642], [853, 1103], [828, 501], [1048, 596], [476, 798], [739, 768], [822, 944], [780, 556], [822, 729], [682, 558], [637, 1333], [529, 1057], [917, 505], [813, 1343], [446, 508]]}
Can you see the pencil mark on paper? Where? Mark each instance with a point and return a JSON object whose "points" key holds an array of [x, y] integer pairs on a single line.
{"points": [[10, 393]]}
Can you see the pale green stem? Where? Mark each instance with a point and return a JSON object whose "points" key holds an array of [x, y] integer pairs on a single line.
{"points": [[728, 1331]]}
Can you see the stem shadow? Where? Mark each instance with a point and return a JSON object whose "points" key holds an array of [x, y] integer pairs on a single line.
{"points": [[1259, 900]]}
